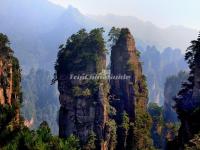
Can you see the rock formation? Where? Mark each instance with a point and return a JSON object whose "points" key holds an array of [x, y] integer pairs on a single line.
{"points": [[172, 86], [100, 122], [6, 79], [10, 76], [156, 113], [171, 122], [124, 60], [10, 89], [188, 100], [84, 103], [129, 97]]}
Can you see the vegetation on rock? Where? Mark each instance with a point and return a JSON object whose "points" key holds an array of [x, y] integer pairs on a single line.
{"points": [[129, 97], [187, 100], [84, 102]]}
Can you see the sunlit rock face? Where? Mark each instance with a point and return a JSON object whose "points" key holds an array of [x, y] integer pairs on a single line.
{"points": [[6, 81], [129, 96], [10, 79], [124, 60]]}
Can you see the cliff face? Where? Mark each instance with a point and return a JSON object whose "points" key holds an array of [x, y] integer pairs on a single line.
{"points": [[10, 90], [171, 122], [196, 90], [172, 86], [6, 80], [10, 76], [188, 100], [188, 113], [118, 122], [124, 60], [84, 103], [129, 97], [81, 115], [157, 117]]}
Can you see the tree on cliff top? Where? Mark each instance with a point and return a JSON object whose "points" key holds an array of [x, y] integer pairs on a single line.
{"points": [[188, 99], [86, 47], [114, 35], [183, 99], [4, 45]]}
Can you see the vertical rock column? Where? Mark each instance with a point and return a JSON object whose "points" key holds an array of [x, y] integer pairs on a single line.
{"points": [[129, 96], [124, 61], [10, 81], [83, 110], [6, 81]]}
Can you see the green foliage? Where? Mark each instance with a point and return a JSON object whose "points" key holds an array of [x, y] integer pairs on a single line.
{"points": [[4, 39], [192, 57], [112, 111], [6, 55], [173, 126], [4, 45], [113, 133], [84, 53], [172, 87], [138, 53], [134, 122], [125, 121], [187, 104], [142, 130], [77, 92], [90, 142], [194, 143], [10, 120], [114, 35], [17, 89], [8, 123], [80, 51], [143, 121], [156, 113], [129, 66], [40, 140], [13, 134]]}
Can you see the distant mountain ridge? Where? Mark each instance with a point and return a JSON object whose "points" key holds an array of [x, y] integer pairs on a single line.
{"points": [[37, 28], [148, 33]]}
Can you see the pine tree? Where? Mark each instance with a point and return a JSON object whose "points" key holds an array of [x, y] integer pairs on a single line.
{"points": [[188, 99], [184, 97]]}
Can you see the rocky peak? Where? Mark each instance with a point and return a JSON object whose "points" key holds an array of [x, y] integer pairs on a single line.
{"points": [[85, 108], [129, 96], [84, 103], [127, 40], [124, 56], [124, 60], [187, 101]]}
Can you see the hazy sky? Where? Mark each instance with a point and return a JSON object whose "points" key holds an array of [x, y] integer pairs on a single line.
{"points": [[160, 12]]}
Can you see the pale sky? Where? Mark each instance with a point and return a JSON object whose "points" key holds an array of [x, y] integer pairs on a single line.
{"points": [[160, 12]]}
